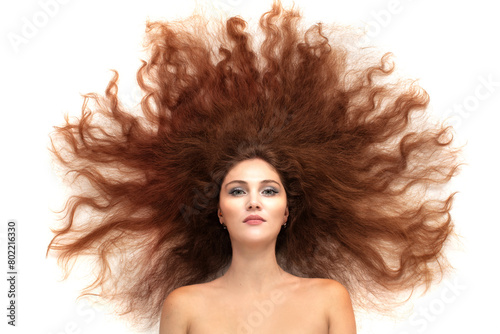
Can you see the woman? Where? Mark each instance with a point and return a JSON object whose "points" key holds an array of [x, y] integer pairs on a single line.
{"points": [[255, 295], [349, 147]]}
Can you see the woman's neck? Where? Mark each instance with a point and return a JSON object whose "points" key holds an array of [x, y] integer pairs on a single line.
{"points": [[254, 270]]}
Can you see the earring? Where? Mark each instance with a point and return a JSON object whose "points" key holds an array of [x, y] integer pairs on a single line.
{"points": [[284, 225], [223, 225]]}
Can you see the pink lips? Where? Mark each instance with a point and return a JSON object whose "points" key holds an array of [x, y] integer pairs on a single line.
{"points": [[254, 220]]}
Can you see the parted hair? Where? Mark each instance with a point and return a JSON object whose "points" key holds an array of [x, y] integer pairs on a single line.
{"points": [[364, 167]]}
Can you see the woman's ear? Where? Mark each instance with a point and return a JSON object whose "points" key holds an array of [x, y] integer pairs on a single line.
{"points": [[285, 218]]}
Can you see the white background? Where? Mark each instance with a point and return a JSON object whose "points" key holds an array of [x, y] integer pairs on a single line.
{"points": [[53, 51]]}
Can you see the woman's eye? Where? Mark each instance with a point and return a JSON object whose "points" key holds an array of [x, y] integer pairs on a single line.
{"points": [[266, 192], [236, 191], [270, 191]]}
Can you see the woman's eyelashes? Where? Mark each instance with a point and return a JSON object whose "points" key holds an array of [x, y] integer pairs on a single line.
{"points": [[236, 191], [268, 191]]}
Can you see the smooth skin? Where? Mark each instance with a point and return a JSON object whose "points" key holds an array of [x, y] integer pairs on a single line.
{"points": [[255, 295]]}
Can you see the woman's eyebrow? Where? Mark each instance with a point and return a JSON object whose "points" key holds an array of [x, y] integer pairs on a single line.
{"points": [[244, 182]]}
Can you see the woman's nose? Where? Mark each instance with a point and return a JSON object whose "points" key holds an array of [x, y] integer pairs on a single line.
{"points": [[253, 204]]}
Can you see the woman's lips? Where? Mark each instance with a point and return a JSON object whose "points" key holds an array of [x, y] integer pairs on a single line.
{"points": [[254, 220]]}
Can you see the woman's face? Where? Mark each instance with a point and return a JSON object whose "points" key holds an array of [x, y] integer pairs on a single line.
{"points": [[253, 188]]}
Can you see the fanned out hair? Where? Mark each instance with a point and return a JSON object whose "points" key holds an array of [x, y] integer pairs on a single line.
{"points": [[363, 166]]}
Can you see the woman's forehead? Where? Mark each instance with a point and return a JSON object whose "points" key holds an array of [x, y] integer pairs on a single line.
{"points": [[252, 170]]}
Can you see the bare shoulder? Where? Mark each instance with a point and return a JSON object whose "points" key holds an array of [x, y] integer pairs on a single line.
{"points": [[325, 287], [337, 305], [331, 288], [177, 310]]}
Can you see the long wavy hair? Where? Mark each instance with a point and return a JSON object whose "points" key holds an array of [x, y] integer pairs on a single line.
{"points": [[363, 166]]}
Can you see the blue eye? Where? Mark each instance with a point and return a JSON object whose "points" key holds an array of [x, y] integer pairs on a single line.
{"points": [[266, 192], [270, 191], [236, 191]]}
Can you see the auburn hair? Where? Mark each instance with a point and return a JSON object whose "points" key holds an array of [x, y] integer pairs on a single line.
{"points": [[363, 165]]}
